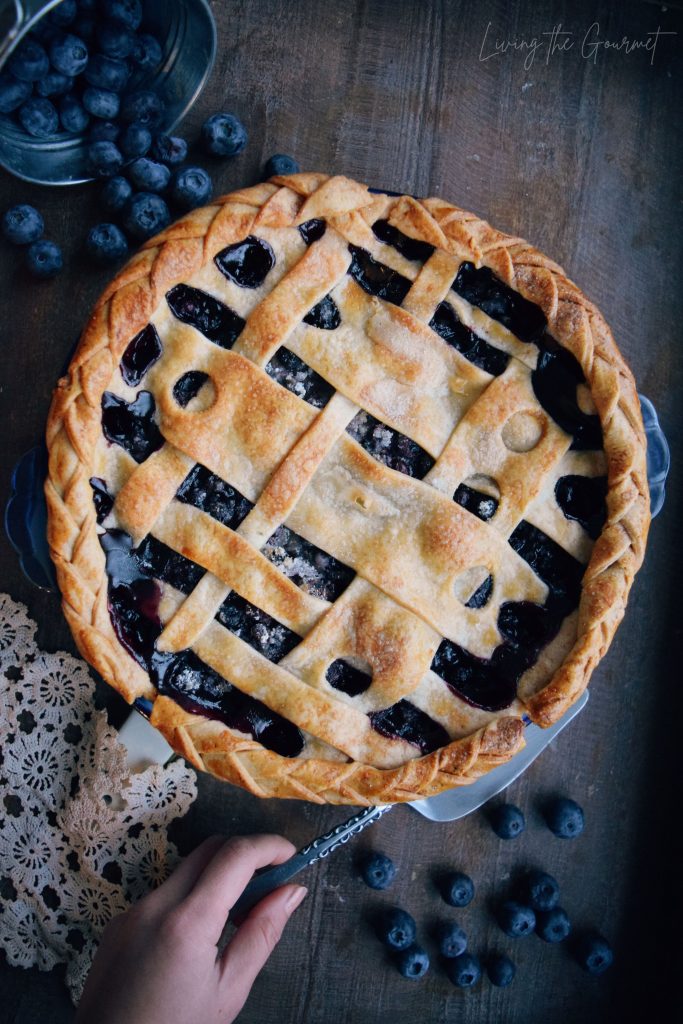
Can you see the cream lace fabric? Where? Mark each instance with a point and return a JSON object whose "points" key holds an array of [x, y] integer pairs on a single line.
{"points": [[80, 836]]}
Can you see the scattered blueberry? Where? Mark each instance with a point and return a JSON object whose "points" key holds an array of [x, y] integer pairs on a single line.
{"points": [[44, 259], [501, 970], [396, 928], [101, 103], [39, 117], [54, 83], [515, 919], [115, 40], [72, 114], [464, 970], [413, 962], [126, 12], [142, 106], [377, 870], [104, 131], [564, 818], [106, 243], [145, 215], [452, 940], [135, 141], [147, 53], [192, 187], [29, 62], [593, 952], [169, 149], [22, 224], [106, 73], [148, 176], [64, 14], [540, 890], [104, 159], [553, 925], [69, 54], [115, 194], [280, 164], [457, 888], [223, 135], [13, 93], [507, 821]]}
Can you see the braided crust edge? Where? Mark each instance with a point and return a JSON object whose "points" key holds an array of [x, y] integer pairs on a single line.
{"points": [[73, 428]]}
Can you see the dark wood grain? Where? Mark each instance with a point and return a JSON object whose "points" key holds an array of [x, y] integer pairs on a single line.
{"points": [[584, 160]]}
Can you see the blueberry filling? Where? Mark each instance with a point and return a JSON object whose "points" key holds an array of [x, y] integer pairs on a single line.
{"points": [[555, 380], [346, 678], [583, 498], [453, 331], [101, 497], [312, 569], [526, 624], [246, 263], [409, 247], [133, 598], [131, 425], [324, 315], [212, 495], [481, 595], [481, 287], [188, 386], [260, 630], [212, 318], [406, 722], [312, 230], [488, 684], [389, 446], [556, 567], [479, 504], [163, 563], [141, 353], [376, 278], [299, 378]]}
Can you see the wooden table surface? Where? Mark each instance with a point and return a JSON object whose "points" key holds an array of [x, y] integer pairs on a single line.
{"points": [[582, 157]]}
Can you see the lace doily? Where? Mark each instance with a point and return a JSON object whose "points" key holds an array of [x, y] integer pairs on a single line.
{"points": [[80, 836]]}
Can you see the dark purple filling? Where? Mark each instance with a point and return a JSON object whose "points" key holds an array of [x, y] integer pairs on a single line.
{"points": [[246, 263], [348, 679], [491, 685], [299, 378], [133, 598], [188, 386], [312, 569], [449, 327], [325, 315], [156, 559], [141, 353], [406, 722], [481, 595], [481, 287], [131, 425], [556, 567], [212, 318], [389, 446], [376, 278], [261, 631], [479, 504], [312, 230], [555, 381], [212, 495], [101, 497], [409, 247], [583, 498]]}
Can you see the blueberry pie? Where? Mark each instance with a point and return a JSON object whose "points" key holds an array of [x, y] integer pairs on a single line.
{"points": [[349, 485]]}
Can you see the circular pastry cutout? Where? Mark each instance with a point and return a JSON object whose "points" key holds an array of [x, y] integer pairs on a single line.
{"points": [[196, 388], [523, 431], [466, 585], [484, 484]]}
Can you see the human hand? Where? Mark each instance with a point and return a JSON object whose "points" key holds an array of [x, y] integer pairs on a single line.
{"points": [[158, 962]]}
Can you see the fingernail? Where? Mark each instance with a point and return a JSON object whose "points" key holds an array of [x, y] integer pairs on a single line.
{"points": [[295, 897]]}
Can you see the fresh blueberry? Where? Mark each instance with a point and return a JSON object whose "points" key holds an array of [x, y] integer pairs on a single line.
{"points": [[145, 215], [135, 141], [148, 176], [54, 83], [12, 93], [515, 919], [396, 928], [501, 970], [106, 73], [147, 53], [169, 150], [223, 135], [69, 54], [64, 14], [507, 821], [72, 114], [22, 224], [192, 187], [377, 870], [452, 940], [593, 952], [564, 817], [280, 164], [29, 62], [412, 962], [101, 103], [115, 194], [142, 106], [84, 27], [553, 925], [539, 890], [106, 243], [44, 259], [39, 117], [115, 40], [464, 970], [104, 131], [126, 12], [45, 31], [457, 888], [88, 6], [104, 159]]}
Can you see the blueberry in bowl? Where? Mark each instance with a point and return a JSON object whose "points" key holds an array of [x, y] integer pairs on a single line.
{"points": [[104, 159]]}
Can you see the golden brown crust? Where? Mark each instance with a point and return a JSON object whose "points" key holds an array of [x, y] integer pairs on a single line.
{"points": [[74, 427]]}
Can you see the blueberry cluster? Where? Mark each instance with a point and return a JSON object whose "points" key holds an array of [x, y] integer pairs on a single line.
{"points": [[23, 225], [564, 818]]}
